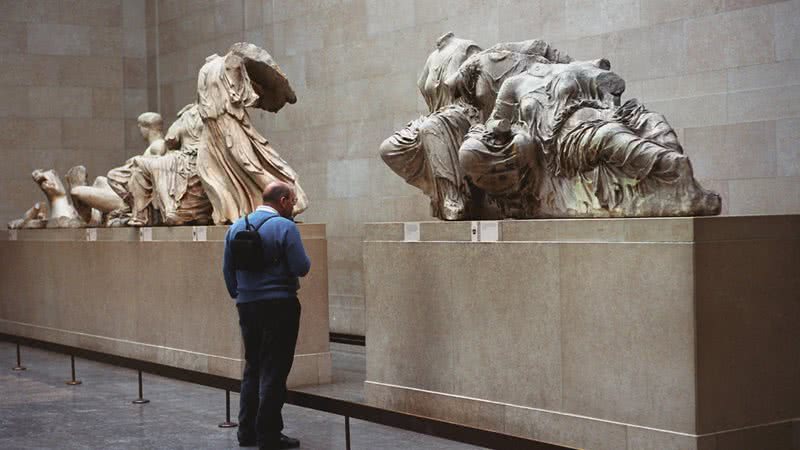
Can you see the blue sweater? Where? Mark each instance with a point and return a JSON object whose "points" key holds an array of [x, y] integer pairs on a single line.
{"points": [[278, 281]]}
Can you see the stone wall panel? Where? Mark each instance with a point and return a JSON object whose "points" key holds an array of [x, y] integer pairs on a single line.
{"points": [[722, 71], [745, 150]]}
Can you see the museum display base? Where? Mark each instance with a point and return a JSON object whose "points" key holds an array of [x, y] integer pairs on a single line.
{"points": [[654, 333], [151, 294]]}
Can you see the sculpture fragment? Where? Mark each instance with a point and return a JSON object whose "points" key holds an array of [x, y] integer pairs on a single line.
{"points": [[211, 167], [171, 183], [35, 217], [554, 139], [236, 162], [425, 152], [62, 213]]}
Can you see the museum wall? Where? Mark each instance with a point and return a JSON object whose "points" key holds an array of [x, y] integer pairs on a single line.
{"points": [[72, 82], [724, 72], [353, 90]]}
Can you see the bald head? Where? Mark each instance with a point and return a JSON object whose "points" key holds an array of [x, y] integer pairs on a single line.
{"points": [[275, 191], [280, 195]]}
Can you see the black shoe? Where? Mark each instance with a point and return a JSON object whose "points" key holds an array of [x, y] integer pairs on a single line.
{"points": [[246, 440], [288, 442], [284, 443]]}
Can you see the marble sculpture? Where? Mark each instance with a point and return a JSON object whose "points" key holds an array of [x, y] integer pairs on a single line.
{"points": [[211, 166], [236, 162], [522, 130], [62, 213]]}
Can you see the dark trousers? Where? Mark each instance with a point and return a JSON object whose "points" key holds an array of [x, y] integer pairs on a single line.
{"points": [[269, 332]]}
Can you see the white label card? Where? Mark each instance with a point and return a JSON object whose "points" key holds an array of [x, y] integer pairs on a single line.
{"points": [[91, 234], [489, 231], [145, 234], [411, 231], [200, 233]]}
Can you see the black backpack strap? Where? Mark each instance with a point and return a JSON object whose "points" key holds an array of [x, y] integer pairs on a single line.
{"points": [[276, 258], [248, 227], [265, 221]]}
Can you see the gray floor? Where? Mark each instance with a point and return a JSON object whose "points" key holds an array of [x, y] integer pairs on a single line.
{"points": [[38, 411]]}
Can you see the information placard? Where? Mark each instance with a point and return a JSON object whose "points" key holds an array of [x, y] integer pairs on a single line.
{"points": [[200, 233], [411, 231]]}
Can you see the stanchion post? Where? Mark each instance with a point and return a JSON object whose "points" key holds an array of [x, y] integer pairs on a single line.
{"points": [[73, 381], [228, 423], [19, 365], [141, 400], [347, 432]]}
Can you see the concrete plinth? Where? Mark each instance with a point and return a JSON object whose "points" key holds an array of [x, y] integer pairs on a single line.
{"points": [[662, 333], [152, 294]]}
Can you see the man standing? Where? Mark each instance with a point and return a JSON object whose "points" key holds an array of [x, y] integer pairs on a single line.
{"points": [[269, 316]]}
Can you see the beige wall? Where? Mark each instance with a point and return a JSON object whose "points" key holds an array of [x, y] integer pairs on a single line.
{"points": [[72, 82], [723, 71]]}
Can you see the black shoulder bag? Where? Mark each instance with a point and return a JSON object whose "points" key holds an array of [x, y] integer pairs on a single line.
{"points": [[247, 251]]}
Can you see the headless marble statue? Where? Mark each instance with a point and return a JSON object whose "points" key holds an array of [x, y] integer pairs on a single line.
{"points": [[425, 152], [235, 161], [552, 139], [559, 144]]}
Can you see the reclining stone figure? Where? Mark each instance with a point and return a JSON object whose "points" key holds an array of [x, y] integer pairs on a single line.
{"points": [[425, 152], [170, 183], [111, 194], [552, 140], [214, 164], [558, 144], [161, 186]]}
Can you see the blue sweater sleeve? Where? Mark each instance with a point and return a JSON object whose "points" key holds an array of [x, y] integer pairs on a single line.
{"points": [[227, 268], [296, 256]]}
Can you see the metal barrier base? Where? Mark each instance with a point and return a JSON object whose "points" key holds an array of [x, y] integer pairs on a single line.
{"points": [[347, 409]]}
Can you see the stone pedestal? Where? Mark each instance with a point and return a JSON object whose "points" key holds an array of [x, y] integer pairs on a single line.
{"points": [[662, 333], [154, 294]]}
